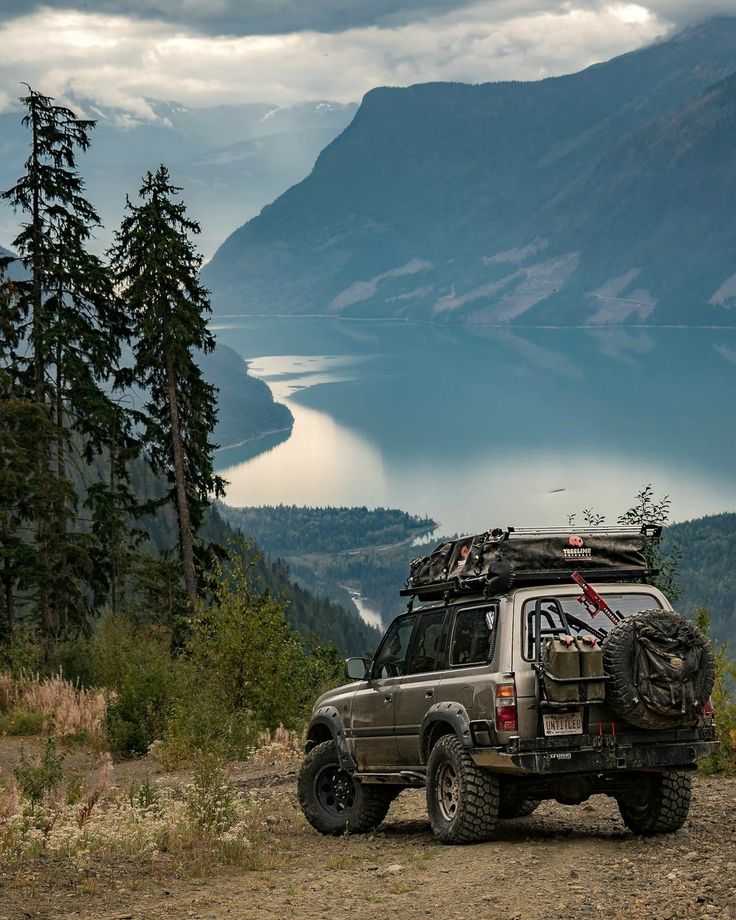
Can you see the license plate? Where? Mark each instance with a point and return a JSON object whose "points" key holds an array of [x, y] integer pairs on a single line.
{"points": [[564, 723]]}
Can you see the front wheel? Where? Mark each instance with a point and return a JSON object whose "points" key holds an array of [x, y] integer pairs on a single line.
{"points": [[332, 801], [462, 799], [659, 806]]}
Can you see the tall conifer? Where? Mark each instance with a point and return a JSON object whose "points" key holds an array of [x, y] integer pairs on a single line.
{"points": [[157, 269], [65, 360]]}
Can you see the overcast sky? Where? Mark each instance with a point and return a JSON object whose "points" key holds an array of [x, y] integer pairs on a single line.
{"points": [[201, 52]]}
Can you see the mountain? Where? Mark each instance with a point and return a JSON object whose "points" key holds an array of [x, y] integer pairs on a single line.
{"points": [[707, 570], [229, 160], [599, 197], [245, 405]]}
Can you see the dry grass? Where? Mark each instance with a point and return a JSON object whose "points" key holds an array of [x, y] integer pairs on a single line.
{"points": [[58, 706], [279, 748], [200, 824]]}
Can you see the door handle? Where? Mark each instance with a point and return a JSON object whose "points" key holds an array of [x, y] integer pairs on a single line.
{"points": [[429, 694], [388, 698]]}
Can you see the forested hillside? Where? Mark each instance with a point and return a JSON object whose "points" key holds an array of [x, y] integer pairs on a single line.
{"points": [[578, 199], [245, 405], [288, 530], [707, 569]]}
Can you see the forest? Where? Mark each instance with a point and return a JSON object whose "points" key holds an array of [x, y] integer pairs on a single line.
{"points": [[116, 570], [290, 530]]}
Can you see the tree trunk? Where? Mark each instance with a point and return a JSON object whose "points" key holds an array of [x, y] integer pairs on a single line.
{"points": [[39, 370], [182, 503], [62, 605], [8, 598]]}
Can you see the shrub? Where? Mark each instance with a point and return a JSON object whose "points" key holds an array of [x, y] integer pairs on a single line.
{"points": [[724, 704], [21, 722], [137, 664], [30, 704], [211, 796], [244, 670], [37, 779]]}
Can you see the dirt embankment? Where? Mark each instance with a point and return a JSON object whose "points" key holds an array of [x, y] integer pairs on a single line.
{"points": [[562, 862]]}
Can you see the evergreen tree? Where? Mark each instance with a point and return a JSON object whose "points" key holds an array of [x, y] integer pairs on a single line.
{"points": [[157, 269], [63, 355]]}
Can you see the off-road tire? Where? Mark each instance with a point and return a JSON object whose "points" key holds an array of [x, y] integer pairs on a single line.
{"points": [[663, 809], [475, 812], [515, 806], [622, 694], [365, 805]]}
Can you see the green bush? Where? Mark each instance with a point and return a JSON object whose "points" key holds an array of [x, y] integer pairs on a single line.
{"points": [[724, 703], [244, 669], [21, 722], [137, 665], [37, 779]]}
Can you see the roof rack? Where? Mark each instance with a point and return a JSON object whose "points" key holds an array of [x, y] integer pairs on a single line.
{"points": [[651, 531], [492, 562]]}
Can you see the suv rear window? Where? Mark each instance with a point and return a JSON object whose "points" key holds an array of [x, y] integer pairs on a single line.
{"points": [[472, 636], [625, 604]]}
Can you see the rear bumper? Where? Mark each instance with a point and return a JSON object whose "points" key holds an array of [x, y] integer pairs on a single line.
{"points": [[598, 755]]}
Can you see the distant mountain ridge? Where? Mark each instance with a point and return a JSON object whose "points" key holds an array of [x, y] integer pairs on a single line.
{"points": [[231, 160], [595, 198]]}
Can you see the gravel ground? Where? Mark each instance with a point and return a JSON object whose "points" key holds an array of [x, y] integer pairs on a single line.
{"points": [[562, 862]]}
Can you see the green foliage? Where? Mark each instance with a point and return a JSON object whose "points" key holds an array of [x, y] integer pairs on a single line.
{"points": [[707, 571], [724, 703], [37, 779], [136, 664], [157, 270], [21, 722], [211, 797], [244, 669], [649, 510], [58, 410]]}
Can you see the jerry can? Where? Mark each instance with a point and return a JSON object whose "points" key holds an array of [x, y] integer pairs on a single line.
{"points": [[561, 659], [591, 665]]}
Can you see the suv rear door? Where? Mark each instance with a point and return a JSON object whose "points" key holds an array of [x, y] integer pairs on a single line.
{"points": [[418, 689]]}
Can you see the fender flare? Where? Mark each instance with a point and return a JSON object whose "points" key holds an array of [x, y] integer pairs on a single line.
{"points": [[455, 714], [329, 717]]}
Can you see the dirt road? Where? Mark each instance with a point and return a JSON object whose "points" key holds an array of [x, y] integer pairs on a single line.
{"points": [[563, 862]]}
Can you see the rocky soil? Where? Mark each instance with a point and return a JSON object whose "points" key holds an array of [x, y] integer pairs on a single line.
{"points": [[562, 862]]}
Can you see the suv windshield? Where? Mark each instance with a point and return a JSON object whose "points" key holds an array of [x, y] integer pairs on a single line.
{"points": [[625, 604]]}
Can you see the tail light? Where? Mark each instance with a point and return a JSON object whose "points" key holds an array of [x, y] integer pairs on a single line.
{"points": [[709, 713], [506, 716]]}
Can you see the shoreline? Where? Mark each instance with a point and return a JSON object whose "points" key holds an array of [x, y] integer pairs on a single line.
{"points": [[257, 437]]}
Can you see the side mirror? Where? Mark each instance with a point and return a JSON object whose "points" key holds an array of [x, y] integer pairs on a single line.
{"points": [[355, 668]]}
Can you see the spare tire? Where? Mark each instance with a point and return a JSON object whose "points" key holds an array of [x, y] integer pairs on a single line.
{"points": [[661, 670]]}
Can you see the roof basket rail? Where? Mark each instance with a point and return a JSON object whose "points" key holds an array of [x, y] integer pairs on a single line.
{"points": [[651, 531]]}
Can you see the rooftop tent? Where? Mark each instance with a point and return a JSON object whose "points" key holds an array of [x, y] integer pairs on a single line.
{"points": [[497, 559]]}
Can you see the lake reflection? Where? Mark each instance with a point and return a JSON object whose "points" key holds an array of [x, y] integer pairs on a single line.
{"points": [[484, 427]]}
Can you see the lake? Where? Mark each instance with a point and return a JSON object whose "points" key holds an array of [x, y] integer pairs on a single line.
{"points": [[489, 427]]}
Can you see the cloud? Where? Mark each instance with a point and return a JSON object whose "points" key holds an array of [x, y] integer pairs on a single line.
{"points": [[122, 62], [248, 17]]}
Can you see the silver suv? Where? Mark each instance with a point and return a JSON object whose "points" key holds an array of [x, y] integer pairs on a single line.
{"points": [[457, 699]]}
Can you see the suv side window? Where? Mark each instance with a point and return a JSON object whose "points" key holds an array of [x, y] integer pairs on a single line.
{"points": [[472, 636], [391, 656], [428, 647]]}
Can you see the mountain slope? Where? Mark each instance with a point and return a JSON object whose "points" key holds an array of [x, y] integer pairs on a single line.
{"points": [[707, 570], [245, 405], [464, 203], [230, 160]]}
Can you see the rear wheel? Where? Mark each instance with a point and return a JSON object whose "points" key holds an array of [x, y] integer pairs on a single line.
{"points": [[462, 799], [332, 801], [659, 806]]}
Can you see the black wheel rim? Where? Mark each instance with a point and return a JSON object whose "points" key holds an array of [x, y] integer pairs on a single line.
{"points": [[335, 790]]}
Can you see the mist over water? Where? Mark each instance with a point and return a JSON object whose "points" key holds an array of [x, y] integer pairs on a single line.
{"points": [[488, 427]]}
